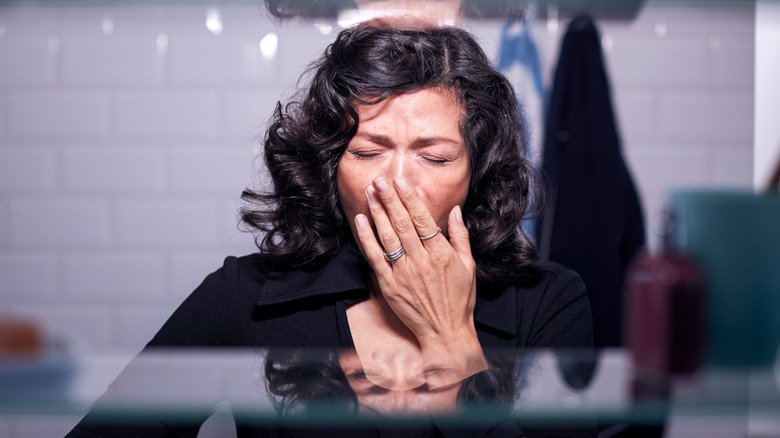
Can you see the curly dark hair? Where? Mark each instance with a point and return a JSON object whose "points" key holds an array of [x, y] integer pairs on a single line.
{"points": [[302, 217]]}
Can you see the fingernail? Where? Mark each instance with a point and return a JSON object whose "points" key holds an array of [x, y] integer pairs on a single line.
{"points": [[401, 183], [361, 221], [458, 214], [381, 184], [371, 194]]}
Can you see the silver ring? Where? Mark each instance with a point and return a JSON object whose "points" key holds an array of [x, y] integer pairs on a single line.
{"points": [[395, 255], [431, 236]]}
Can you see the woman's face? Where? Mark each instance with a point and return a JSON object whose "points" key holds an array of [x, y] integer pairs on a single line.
{"points": [[396, 387], [416, 136]]}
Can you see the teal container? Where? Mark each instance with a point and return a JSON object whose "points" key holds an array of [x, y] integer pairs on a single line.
{"points": [[735, 239]]}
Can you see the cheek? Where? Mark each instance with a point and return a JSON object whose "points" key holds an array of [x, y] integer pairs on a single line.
{"points": [[352, 187]]}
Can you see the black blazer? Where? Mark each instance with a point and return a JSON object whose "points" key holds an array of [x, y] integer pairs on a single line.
{"points": [[245, 304]]}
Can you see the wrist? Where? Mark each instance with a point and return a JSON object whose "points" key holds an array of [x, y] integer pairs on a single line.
{"points": [[452, 357]]}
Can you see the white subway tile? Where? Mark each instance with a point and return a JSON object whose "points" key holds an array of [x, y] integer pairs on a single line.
{"points": [[736, 18], [58, 222], [111, 60], [215, 170], [27, 277], [27, 170], [3, 125], [707, 117], [167, 223], [113, 170], [3, 224], [58, 115], [138, 324], [188, 270], [675, 18], [247, 113], [653, 208], [124, 20], [212, 60], [635, 115], [240, 240], [108, 277], [660, 169], [28, 19], [42, 426], [659, 62], [81, 324], [167, 115], [733, 61], [26, 60], [733, 168], [299, 46]]}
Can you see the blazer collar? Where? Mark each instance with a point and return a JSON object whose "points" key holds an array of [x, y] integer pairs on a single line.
{"points": [[496, 307]]}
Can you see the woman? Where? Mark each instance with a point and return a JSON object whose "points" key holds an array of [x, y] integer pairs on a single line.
{"points": [[392, 224]]}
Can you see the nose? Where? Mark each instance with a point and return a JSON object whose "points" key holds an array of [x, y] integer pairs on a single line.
{"points": [[402, 164], [400, 402]]}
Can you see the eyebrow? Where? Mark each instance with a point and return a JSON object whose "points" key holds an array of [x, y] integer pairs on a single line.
{"points": [[419, 141]]}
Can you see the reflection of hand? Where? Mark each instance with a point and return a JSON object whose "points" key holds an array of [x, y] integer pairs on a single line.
{"points": [[432, 288]]}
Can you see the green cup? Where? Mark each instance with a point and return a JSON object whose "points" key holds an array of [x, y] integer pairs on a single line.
{"points": [[735, 239]]}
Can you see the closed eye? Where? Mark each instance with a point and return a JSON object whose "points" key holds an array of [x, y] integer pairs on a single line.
{"points": [[437, 161], [364, 155]]}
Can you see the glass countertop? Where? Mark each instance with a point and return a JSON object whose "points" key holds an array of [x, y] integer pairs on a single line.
{"points": [[282, 386]]}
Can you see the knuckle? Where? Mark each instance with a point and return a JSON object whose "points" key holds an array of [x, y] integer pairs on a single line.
{"points": [[439, 258], [375, 258], [402, 225], [421, 218], [387, 239]]}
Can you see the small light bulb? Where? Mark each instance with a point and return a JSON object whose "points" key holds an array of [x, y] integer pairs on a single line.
{"points": [[107, 26], [214, 21], [162, 43], [269, 44]]}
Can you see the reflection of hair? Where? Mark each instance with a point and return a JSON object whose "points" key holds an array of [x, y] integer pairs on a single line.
{"points": [[366, 64], [283, 9], [303, 377], [298, 378]]}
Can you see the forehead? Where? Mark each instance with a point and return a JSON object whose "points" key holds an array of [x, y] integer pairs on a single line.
{"points": [[424, 109]]}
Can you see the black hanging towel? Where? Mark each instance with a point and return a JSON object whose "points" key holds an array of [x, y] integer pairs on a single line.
{"points": [[593, 220]]}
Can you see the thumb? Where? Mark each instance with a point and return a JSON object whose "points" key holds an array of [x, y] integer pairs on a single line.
{"points": [[459, 238]]}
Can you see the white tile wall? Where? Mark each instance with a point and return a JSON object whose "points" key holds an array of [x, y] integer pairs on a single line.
{"points": [[54, 222], [725, 116], [28, 170], [137, 324], [126, 137], [167, 223], [58, 114], [2, 116], [97, 277], [162, 114], [26, 60], [29, 277], [218, 170], [111, 171], [112, 61], [246, 112]]}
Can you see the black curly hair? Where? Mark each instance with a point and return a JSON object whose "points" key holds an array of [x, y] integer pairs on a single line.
{"points": [[301, 215]]}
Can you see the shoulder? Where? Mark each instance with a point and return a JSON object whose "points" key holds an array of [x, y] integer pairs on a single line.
{"points": [[218, 306], [237, 273], [554, 308], [555, 278]]}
